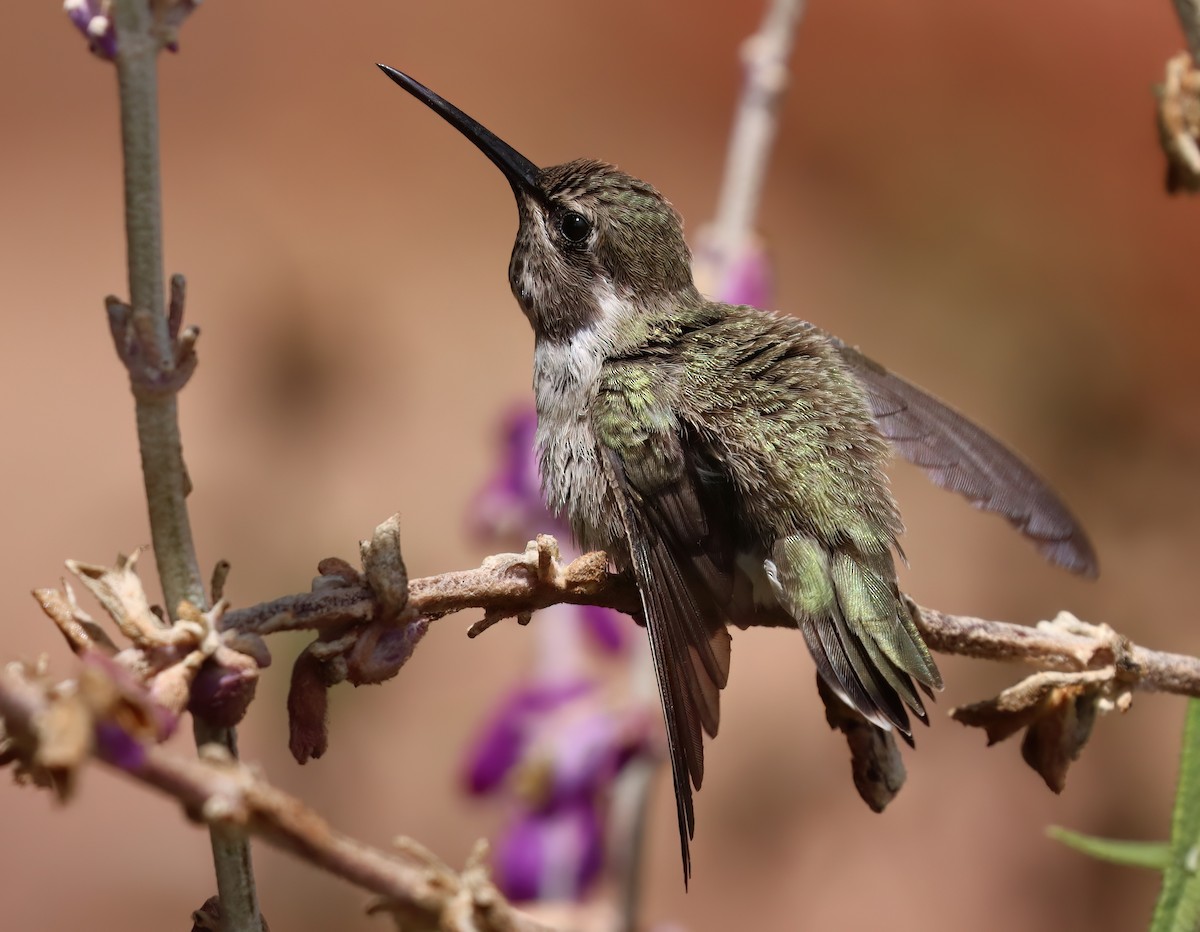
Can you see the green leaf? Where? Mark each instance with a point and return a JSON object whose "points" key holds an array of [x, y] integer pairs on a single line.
{"points": [[1152, 854], [1178, 908]]}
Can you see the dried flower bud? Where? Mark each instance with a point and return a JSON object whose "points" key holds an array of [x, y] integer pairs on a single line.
{"points": [[382, 649], [117, 695], [308, 706], [1057, 710], [224, 688], [875, 762], [383, 567]]}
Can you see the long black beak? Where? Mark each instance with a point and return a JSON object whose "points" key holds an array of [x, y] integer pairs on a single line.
{"points": [[521, 173]]}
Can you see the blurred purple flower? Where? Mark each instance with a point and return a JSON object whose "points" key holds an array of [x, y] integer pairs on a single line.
{"points": [[502, 740], [510, 505], [93, 18], [553, 855], [748, 278], [739, 274], [118, 747], [586, 755], [127, 717], [609, 631], [556, 749]]}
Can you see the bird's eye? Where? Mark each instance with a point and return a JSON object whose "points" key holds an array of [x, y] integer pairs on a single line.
{"points": [[575, 226]]}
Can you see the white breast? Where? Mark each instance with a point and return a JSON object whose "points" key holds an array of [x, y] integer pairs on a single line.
{"points": [[566, 376], [565, 379]]}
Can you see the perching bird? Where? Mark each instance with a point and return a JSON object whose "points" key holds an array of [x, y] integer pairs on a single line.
{"points": [[730, 458]]}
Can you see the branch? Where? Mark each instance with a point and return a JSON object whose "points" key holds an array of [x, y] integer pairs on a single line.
{"points": [[507, 585], [1065, 645], [1087, 670], [159, 358], [368, 624], [765, 56], [512, 585], [145, 326], [414, 885]]}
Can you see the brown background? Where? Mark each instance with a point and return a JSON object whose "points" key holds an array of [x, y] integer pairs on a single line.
{"points": [[971, 191]]}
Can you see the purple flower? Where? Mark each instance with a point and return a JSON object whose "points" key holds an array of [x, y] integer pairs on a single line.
{"points": [[510, 507], [93, 18], [118, 747], [555, 749], [738, 274], [607, 629], [553, 855], [502, 741], [748, 278]]}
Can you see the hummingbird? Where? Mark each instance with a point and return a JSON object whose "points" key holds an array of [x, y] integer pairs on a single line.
{"points": [[731, 459]]}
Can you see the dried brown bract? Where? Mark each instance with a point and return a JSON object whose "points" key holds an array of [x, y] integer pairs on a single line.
{"points": [[1179, 123]]}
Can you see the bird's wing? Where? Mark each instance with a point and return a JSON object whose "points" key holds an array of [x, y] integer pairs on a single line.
{"points": [[683, 567], [960, 456]]}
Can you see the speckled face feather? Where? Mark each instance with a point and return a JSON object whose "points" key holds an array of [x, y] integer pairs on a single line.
{"points": [[635, 249]]}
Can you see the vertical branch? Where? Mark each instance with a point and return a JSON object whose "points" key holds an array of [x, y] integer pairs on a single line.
{"points": [[765, 56], [157, 414], [631, 809], [157, 418], [230, 850]]}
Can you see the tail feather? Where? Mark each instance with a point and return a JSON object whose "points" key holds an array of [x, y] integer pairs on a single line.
{"points": [[857, 626], [899, 681], [870, 599]]}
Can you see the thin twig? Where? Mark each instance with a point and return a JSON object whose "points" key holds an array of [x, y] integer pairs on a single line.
{"points": [[159, 438], [508, 584], [765, 55], [157, 418]]}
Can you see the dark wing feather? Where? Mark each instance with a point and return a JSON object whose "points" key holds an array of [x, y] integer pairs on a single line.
{"points": [[684, 576], [960, 456]]}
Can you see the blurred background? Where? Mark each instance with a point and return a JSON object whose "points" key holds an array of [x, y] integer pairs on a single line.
{"points": [[972, 192]]}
